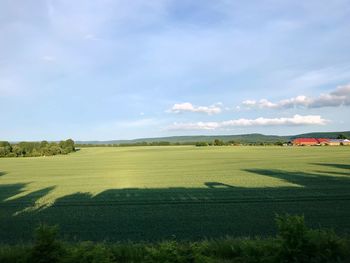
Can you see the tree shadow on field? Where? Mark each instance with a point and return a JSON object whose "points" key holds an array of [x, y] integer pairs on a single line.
{"points": [[10, 228], [9, 190], [308, 181], [335, 165], [183, 213], [217, 185], [2, 173]]}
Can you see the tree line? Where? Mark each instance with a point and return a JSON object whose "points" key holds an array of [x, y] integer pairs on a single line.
{"points": [[34, 149], [215, 142], [218, 142]]}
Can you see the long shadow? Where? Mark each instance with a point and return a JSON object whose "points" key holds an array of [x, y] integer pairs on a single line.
{"points": [[2, 174], [334, 165], [13, 227], [308, 180], [217, 185], [334, 173], [9, 190], [184, 213]]}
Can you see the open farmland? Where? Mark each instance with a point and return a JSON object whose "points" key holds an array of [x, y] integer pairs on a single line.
{"points": [[152, 193]]}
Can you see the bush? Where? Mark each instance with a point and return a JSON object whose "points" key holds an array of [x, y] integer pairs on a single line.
{"points": [[46, 249], [300, 244], [169, 252], [88, 252], [292, 236]]}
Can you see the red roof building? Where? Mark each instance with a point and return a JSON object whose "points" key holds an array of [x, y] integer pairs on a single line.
{"points": [[323, 140], [310, 141]]}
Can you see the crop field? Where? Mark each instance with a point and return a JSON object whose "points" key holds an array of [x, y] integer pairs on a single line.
{"points": [[182, 192]]}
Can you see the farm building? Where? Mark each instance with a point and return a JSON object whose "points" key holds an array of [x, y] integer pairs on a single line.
{"points": [[334, 142], [310, 141], [319, 141]]}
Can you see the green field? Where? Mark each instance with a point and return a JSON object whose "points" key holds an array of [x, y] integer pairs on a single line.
{"points": [[187, 192]]}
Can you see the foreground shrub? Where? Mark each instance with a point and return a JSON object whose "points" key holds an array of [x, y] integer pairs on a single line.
{"points": [[300, 244], [88, 252], [46, 249]]}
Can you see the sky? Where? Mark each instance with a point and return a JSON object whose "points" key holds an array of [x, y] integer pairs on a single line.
{"points": [[102, 70]]}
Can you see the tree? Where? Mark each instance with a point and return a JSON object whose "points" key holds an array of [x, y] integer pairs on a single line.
{"points": [[4, 144], [46, 249], [17, 150], [2, 151], [341, 137], [218, 142], [198, 144], [67, 146], [233, 143], [36, 148], [44, 144]]}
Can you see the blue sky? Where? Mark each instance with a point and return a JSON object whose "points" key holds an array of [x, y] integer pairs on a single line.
{"points": [[98, 70]]}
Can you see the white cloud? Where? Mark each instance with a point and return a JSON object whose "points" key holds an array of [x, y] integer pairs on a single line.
{"points": [[338, 97], [189, 107], [293, 121]]}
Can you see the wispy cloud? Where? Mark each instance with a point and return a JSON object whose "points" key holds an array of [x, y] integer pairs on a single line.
{"points": [[292, 121], [338, 97], [189, 107]]}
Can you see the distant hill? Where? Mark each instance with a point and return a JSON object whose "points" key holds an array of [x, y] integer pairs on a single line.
{"points": [[242, 138], [330, 135]]}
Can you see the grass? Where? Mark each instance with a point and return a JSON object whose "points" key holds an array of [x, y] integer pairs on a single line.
{"points": [[182, 192]]}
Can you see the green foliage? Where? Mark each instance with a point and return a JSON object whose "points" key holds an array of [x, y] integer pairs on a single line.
{"points": [[341, 136], [218, 142], [87, 252], [5, 148], [169, 252], [300, 244], [292, 233], [46, 249], [233, 142], [35, 149], [199, 144]]}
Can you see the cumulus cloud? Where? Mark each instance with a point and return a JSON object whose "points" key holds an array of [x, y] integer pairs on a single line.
{"points": [[338, 97], [292, 121], [189, 107]]}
